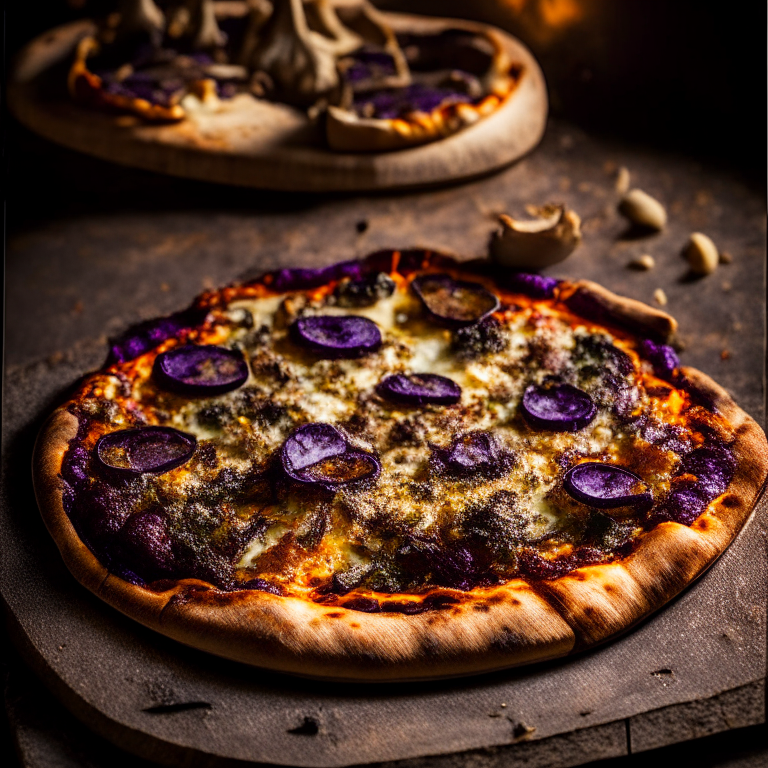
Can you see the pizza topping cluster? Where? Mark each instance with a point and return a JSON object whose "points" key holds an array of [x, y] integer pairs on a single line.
{"points": [[320, 453], [557, 407], [339, 60], [380, 438]]}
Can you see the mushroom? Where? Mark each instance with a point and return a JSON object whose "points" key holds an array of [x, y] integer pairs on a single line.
{"points": [[204, 30], [195, 20], [140, 17], [299, 45], [536, 243], [300, 61]]}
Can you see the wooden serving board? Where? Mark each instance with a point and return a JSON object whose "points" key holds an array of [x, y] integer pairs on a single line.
{"points": [[256, 143], [81, 266]]}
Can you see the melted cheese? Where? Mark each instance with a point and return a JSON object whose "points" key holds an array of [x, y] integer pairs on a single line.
{"points": [[297, 388]]}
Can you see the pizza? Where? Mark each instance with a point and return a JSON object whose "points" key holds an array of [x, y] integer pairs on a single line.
{"points": [[398, 467], [367, 86]]}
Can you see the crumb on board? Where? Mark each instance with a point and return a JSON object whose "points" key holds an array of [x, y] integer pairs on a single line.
{"points": [[642, 263], [660, 297], [521, 731], [725, 355], [622, 180], [725, 257], [727, 286]]}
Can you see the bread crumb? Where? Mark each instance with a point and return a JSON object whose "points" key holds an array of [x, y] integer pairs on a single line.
{"points": [[725, 257], [643, 263], [622, 180], [660, 297], [725, 355], [727, 286]]}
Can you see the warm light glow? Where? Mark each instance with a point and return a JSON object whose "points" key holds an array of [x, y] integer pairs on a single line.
{"points": [[543, 21], [560, 13]]}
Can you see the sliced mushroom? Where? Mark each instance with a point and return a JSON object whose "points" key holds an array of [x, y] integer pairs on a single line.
{"points": [[539, 242]]}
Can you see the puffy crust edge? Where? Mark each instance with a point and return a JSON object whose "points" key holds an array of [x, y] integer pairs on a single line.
{"points": [[591, 300], [346, 132], [491, 629], [601, 601], [510, 625]]}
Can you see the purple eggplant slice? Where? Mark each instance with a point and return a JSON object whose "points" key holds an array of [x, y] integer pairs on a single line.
{"points": [[144, 450], [301, 278], [713, 467], [684, 503], [145, 544], [337, 336], [200, 371], [454, 303], [662, 357], [559, 408], [606, 486], [319, 453], [147, 335], [419, 389], [531, 284], [345, 467], [473, 453], [310, 445]]}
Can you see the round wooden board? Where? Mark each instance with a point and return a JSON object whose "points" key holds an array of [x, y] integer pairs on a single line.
{"points": [[261, 144]]}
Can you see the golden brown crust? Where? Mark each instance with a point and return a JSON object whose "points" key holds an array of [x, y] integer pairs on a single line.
{"points": [[497, 628], [487, 629], [591, 300], [600, 601], [727, 514], [494, 629]]}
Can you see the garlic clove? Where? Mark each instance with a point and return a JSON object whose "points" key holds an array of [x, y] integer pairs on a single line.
{"points": [[538, 242], [701, 254], [642, 209]]}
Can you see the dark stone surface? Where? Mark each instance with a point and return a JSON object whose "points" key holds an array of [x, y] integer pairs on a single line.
{"points": [[95, 248], [47, 736]]}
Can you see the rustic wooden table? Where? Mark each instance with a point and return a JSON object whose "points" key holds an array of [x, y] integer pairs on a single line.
{"points": [[92, 248]]}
